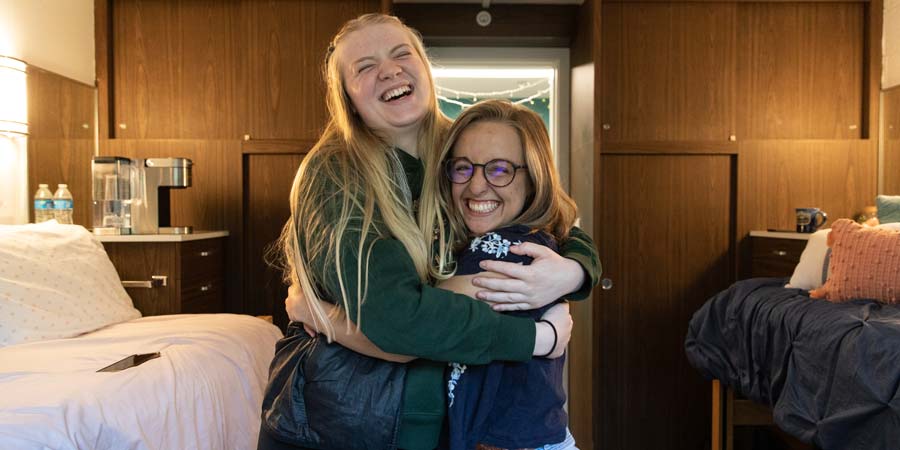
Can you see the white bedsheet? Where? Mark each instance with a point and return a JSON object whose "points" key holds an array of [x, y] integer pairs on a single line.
{"points": [[204, 392]]}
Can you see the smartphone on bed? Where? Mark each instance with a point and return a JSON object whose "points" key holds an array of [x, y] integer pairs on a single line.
{"points": [[129, 361]]}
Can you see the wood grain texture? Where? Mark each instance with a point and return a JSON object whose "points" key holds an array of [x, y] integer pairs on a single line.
{"points": [[891, 136], [665, 242], [454, 25], [171, 69], [267, 208], [776, 176], [285, 50], [800, 70], [580, 355], [59, 107], [671, 147], [61, 140], [103, 66], [873, 23], [219, 69], [138, 262], [670, 71], [775, 257], [214, 200], [68, 161]]}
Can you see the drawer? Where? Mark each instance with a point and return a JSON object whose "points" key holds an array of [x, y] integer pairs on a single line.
{"points": [[203, 297], [203, 259], [774, 257]]}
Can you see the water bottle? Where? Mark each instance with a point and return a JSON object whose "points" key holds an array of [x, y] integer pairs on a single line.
{"points": [[62, 204], [43, 204]]}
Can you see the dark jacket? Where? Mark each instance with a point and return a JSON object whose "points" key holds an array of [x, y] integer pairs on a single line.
{"points": [[322, 393]]}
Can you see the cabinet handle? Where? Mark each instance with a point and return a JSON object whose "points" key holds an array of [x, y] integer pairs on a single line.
{"points": [[205, 288], [779, 252], [154, 282], [204, 253]]}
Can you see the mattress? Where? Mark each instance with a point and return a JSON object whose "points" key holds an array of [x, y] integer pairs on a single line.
{"points": [[203, 392], [829, 371]]}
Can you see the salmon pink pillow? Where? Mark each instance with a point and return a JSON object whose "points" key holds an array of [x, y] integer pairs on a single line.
{"points": [[865, 263]]}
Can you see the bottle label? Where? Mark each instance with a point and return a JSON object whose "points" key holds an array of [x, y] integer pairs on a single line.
{"points": [[43, 204], [62, 204]]}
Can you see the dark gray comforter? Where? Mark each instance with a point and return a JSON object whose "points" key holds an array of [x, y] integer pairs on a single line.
{"points": [[831, 372]]}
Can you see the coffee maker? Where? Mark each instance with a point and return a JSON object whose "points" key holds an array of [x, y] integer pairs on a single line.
{"points": [[132, 196]]}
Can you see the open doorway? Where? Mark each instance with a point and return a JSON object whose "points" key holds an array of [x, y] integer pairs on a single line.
{"points": [[537, 78]]}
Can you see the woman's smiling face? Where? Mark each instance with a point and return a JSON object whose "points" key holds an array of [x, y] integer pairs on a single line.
{"points": [[386, 80], [485, 207]]}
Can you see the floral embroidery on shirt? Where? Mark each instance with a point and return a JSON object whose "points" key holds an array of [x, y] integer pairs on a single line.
{"points": [[492, 244], [458, 370]]}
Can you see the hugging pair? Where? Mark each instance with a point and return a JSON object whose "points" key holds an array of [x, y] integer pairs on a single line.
{"points": [[390, 222]]}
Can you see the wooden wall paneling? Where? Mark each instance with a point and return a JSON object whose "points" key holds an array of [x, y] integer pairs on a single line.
{"points": [[286, 44], [665, 243], [59, 145], [103, 64], [891, 137], [776, 176], [454, 25], [59, 107], [873, 24], [55, 161], [669, 71], [581, 167], [267, 181], [800, 70], [173, 69], [212, 202]]}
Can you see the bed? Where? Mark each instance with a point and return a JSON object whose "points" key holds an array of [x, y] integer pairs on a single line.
{"points": [[829, 370], [58, 328]]}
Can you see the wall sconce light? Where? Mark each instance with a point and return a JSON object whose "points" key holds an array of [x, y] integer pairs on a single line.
{"points": [[13, 141]]}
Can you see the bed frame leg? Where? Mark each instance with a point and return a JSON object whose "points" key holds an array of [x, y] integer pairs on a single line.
{"points": [[722, 433]]}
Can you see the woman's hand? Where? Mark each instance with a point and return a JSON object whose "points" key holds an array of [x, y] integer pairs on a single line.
{"points": [[548, 278], [346, 332], [298, 310], [545, 341]]}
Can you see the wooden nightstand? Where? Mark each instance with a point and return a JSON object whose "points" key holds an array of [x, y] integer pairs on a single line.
{"points": [[776, 253], [171, 274]]}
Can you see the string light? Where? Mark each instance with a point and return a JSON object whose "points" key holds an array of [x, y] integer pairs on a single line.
{"points": [[528, 99], [506, 93]]}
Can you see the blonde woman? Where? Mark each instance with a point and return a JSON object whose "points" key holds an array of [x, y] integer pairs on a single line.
{"points": [[357, 239]]}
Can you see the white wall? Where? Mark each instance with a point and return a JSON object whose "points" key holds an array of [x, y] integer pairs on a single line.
{"points": [[891, 44], [57, 35]]}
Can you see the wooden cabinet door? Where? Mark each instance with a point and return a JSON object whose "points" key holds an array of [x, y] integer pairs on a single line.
{"points": [[665, 242], [222, 69], [800, 70], [174, 69], [668, 71], [266, 208]]}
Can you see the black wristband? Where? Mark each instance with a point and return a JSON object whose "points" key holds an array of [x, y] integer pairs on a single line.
{"points": [[555, 337]]}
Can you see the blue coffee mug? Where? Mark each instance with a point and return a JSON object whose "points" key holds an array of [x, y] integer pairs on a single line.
{"points": [[808, 219]]}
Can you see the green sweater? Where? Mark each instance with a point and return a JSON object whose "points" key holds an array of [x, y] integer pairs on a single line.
{"points": [[402, 315]]}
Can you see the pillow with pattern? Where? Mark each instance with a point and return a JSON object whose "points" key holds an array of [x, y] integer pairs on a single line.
{"points": [[56, 281], [865, 263]]}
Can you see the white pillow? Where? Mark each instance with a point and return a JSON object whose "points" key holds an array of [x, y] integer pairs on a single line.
{"points": [[56, 281], [812, 270], [809, 271]]}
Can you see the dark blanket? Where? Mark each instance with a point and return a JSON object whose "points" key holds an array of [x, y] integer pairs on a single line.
{"points": [[830, 371]]}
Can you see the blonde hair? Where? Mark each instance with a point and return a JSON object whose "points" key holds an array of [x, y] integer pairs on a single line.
{"points": [[353, 182], [549, 208]]}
